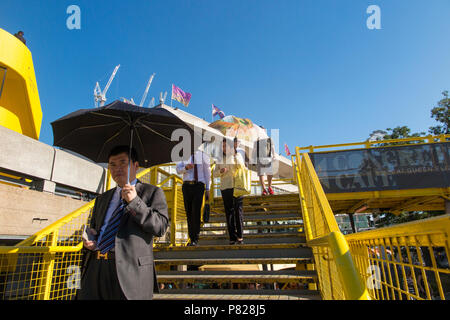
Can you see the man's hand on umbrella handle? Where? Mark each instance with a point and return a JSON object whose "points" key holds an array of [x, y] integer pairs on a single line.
{"points": [[128, 193], [90, 245], [189, 166]]}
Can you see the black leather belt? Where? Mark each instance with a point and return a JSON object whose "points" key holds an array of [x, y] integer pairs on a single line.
{"points": [[192, 182], [106, 256]]}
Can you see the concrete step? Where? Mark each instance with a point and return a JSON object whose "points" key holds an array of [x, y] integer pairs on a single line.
{"points": [[236, 294], [269, 206], [291, 197], [254, 227], [236, 276], [254, 235], [273, 198], [234, 254], [256, 217], [270, 238]]}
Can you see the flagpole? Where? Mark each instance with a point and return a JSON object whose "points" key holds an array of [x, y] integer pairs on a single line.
{"points": [[171, 97]]}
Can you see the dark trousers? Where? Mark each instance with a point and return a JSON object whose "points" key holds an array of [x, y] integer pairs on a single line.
{"points": [[100, 281], [193, 199], [234, 214]]}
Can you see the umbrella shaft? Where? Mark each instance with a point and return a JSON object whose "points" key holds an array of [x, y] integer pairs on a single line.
{"points": [[129, 156]]}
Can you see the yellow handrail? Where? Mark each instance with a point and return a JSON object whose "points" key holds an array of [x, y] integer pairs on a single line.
{"points": [[338, 276], [369, 144], [410, 260]]}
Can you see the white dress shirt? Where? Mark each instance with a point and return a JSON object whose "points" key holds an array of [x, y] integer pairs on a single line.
{"points": [[203, 168], [113, 205]]}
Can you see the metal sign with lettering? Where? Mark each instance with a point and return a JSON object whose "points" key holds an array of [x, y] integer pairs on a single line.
{"points": [[386, 168]]}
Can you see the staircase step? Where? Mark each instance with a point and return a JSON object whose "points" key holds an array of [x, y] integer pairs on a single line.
{"points": [[255, 227], [236, 254], [236, 294], [293, 197], [236, 276], [224, 239], [266, 205], [262, 216], [259, 211], [284, 235]]}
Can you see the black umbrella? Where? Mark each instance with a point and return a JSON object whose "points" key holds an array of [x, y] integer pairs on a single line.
{"points": [[94, 132]]}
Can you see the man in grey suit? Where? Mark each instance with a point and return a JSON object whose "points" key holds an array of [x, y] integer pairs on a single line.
{"points": [[118, 263]]}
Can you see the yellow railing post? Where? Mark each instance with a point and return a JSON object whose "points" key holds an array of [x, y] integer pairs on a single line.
{"points": [[154, 176], [352, 284], [108, 180], [46, 274], [173, 221], [211, 187]]}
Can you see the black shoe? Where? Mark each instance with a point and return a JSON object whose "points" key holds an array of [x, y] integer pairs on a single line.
{"points": [[240, 241], [232, 243], [192, 244]]}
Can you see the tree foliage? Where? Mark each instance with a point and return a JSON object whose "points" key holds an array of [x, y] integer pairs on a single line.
{"points": [[387, 219], [441, 113], [399, 132]]}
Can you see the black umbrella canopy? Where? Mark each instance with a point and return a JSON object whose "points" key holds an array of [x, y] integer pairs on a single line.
{"points": [[94, 132]]}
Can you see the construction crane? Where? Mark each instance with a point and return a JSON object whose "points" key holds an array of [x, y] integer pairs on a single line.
{"points": [[146, 90], [152, 103], [161, 98], [99, 95]]}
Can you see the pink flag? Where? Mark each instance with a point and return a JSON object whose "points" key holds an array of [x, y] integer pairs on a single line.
{"points": [[286, 149], [180, 95]]}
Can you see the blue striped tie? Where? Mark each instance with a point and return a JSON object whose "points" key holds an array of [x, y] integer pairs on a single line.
{"points": [[109, 235]]}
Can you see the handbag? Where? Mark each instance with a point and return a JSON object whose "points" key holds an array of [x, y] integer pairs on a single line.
{"points": [[242, 181], [264, 159], [206, 211]]}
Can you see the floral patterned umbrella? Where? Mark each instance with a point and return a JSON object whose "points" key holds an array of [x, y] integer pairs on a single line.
{"points": [[242, 128]]}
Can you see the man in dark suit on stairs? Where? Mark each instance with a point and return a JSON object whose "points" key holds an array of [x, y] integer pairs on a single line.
{"points": [[118, 262]]}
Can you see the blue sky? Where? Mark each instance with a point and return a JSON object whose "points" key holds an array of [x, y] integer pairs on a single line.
{"points": [[311, 69]]}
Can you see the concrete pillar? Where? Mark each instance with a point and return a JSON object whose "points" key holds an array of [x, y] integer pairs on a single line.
{"points": [[45, 186]]}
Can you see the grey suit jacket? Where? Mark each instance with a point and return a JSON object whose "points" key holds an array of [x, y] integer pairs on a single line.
{"points": [[144, 218]]}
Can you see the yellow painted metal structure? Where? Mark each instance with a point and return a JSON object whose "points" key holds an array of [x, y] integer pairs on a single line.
{"points": [[20, 107], [407, 262], [403, 262], [337, 273], [396, 201]]}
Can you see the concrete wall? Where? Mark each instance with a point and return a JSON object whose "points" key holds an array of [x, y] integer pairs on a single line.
{"points": [[24, 212], [39, 161]]}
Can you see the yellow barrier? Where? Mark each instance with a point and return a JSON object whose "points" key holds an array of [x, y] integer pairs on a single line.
{"points": [[46, 266], [337, 274], [405, 262]]}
